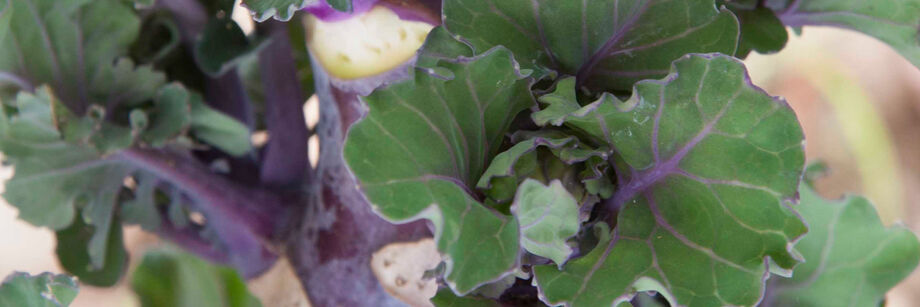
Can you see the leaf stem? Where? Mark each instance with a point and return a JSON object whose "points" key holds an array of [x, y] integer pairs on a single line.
{"points": [[285, 161], [245, 218]]}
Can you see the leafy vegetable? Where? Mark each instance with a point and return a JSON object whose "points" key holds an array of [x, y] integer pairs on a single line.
{"points": [[608, 44], [172, 278], [850, 257], [43, 290], [705, 162], [424, 144], [548, 216], [648, 170]]}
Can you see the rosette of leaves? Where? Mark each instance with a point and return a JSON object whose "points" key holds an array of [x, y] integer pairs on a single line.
{"points": [[674, 158]]}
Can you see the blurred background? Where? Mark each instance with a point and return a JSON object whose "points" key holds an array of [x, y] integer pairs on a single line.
{"points": [[857, 99]]}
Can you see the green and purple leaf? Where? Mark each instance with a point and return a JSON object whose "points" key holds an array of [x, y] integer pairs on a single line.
{"points": [[423, 145], [706, 163], [850, 257], [608, 44]]}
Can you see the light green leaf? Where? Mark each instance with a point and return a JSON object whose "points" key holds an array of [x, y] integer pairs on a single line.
{"points": [[423, 145], [170, 278], [43, 290], [896, 22], [609, 44], [548, 216], [705, 162], [218, 129], [850, 257]]}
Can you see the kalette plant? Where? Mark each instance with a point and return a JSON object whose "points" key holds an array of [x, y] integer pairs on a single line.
{"points": [[560, 152]]}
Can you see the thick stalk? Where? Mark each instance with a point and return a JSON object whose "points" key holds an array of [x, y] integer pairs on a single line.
{"points": [[285, 160], [245, 218], [331, 253]]}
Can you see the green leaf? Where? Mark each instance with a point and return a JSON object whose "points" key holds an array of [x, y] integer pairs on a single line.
{"points": [[705, 163], [548, 216], [523, 160], [609, 44], [64, 163], [340, 5], [439, 46], [423, 145], [895, 22], [218, 129], [222, 45], [447, 298], [850, 257], [72, 251], [281, 10], [54, 176], [761, 31], [43, 290], [72, 46], [177, 279]]}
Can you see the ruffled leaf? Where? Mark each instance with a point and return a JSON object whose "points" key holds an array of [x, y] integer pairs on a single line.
{"points": [[705, 163], [548, 216], [608, 44], [850, 257], [423, 145]]}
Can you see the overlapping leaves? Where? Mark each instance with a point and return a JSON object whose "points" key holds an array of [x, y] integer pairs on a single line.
{"points": [[64, 140], [609, 44], [705, 162], [850, 257], [423, 145], [895, 22]]}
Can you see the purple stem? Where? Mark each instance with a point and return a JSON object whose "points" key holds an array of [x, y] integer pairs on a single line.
{"points": [[245, 218], [285, 161], [331, 251]]}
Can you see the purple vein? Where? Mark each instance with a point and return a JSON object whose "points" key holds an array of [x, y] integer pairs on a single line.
{"points": [[46, 40], [536, 17], [662, 41], [648, 177], [585, 70]]}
